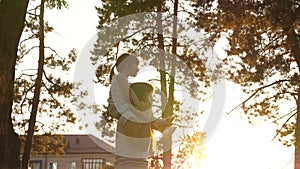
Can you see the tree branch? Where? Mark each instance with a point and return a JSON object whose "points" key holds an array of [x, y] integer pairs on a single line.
{"points": [[54, 51], [29, 38], [28, 51], [277, 133], [257, 90], [24, 74], [48, 79], [52, 96], [281, 117], [25, 98], [42, 126]]}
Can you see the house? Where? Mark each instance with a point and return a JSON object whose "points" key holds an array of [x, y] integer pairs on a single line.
{"points": [[81, 152]]}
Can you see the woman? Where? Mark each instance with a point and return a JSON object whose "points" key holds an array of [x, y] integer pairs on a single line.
{"points": [[134, 131]]}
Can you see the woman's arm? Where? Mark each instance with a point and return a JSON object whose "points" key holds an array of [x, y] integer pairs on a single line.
{"points": [[161, 124]]}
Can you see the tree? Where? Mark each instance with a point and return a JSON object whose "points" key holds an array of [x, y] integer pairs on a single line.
{"points": [[264, 55], [12, 16], [39, 83], [21, 89], [156, 39], [37, 88]]}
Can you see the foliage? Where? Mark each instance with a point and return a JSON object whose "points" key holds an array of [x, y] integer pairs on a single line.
{"points": [[191, 150], [112, 10], [19, 91], [56, 93], [56, 4], [46, 144], [263, 56], [138, 35]]}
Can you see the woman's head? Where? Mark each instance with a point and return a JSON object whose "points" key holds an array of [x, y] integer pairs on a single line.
{"points": [[127, 64], [143, 92]]}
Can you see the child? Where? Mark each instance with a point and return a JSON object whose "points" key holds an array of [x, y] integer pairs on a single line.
{"points": [[126, 66], [134, 137]]}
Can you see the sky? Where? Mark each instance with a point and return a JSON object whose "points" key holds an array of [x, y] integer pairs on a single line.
{"points": [[234, 144]]}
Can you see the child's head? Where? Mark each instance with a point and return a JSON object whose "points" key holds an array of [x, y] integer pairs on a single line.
{"points": [[144, 92], [126, 64]]}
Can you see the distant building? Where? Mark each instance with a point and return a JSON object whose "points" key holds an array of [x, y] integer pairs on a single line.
{"points": [[82, 152]]}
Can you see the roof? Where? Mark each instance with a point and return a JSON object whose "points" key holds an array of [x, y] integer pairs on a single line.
{"points": [[78, 144]]}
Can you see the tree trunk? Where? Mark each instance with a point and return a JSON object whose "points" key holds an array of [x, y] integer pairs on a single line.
{"points": [[297, 135], [12, 16], [296, 53], [291, 39], [163, 83], [37, 88], [161, 47], [167, 157], [295, 50]]}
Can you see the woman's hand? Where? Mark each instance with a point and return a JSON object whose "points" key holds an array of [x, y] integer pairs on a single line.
{"points": [[169, 120], [161, 124]]}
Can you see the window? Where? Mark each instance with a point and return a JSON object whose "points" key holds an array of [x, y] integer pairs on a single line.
{"points": [[71, 165], [92, 163], [52, 165], [36, 164]]}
